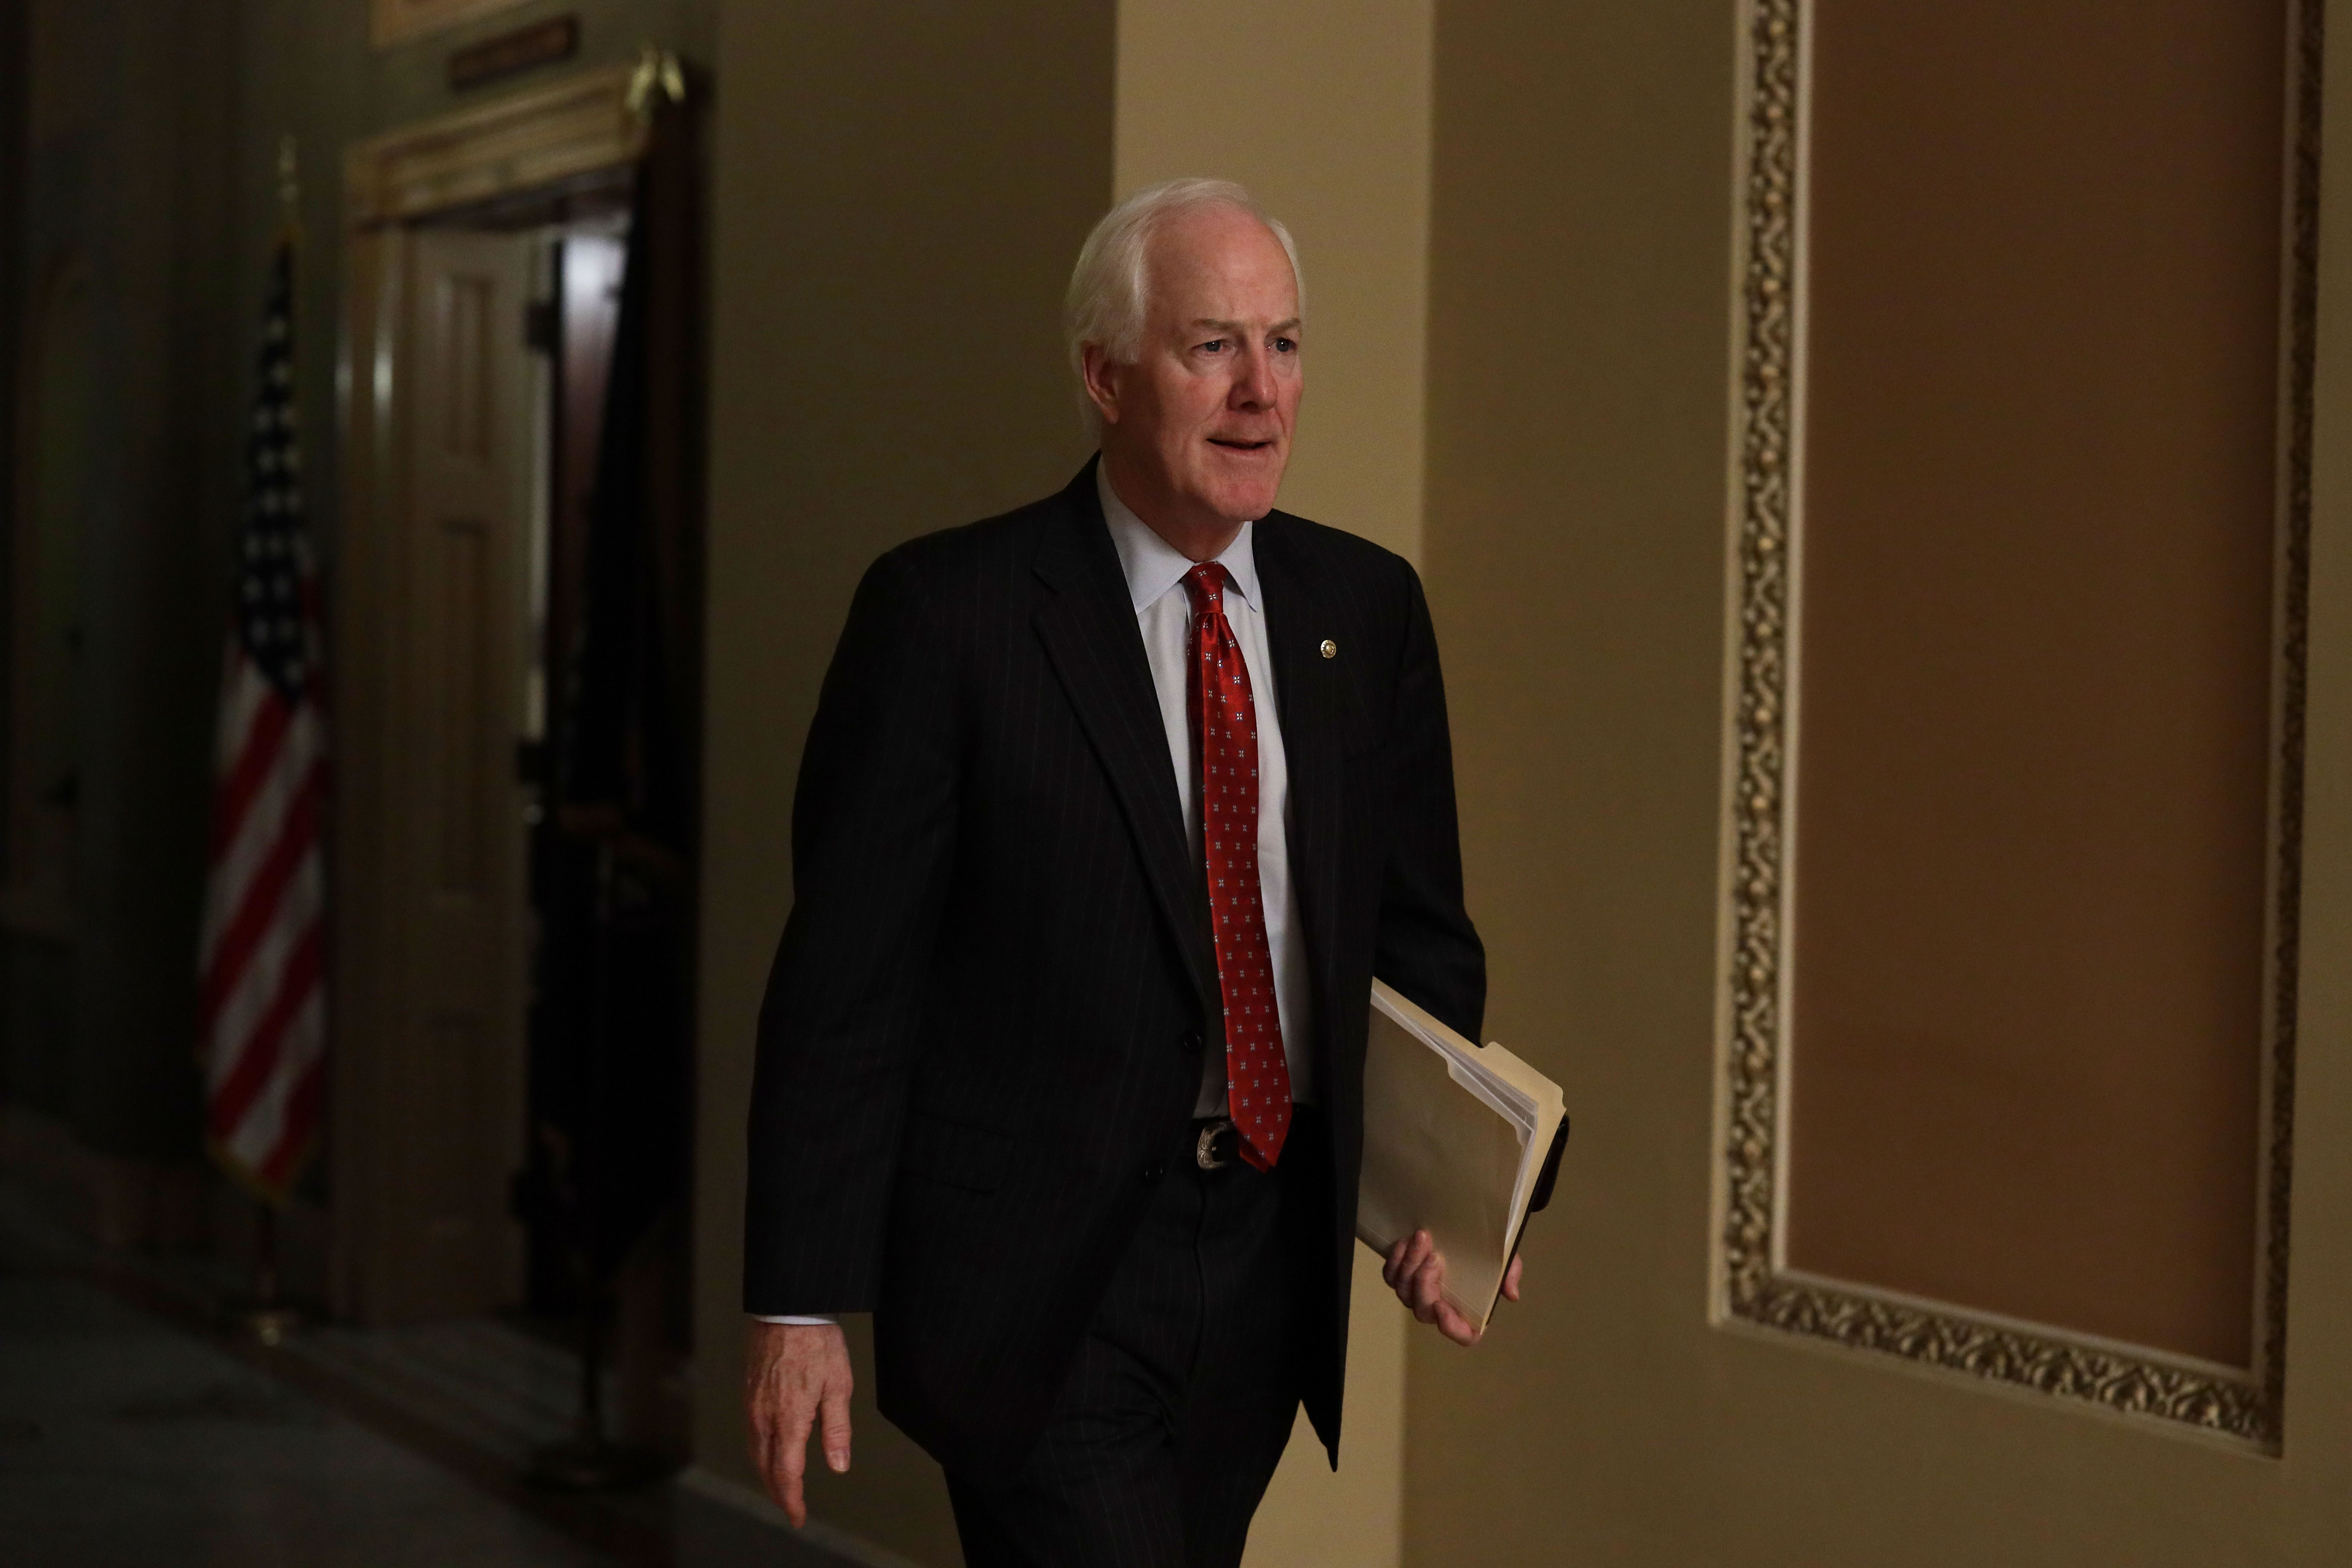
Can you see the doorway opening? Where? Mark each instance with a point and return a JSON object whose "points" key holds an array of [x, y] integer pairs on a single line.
{"points": [[517, 604]]}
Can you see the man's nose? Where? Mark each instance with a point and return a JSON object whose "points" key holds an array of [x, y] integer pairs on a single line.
{"points": [[1253, 379]]}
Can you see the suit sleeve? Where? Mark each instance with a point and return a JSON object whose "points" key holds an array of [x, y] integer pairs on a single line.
{"points": [[874, 827], [1427, 946]]}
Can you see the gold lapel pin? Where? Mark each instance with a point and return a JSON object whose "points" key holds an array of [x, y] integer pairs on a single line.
{"points": [[1331, 648]]}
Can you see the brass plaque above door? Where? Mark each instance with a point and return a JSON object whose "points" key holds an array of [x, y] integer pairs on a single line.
{"points": [[396, 21], [2019, 555]]}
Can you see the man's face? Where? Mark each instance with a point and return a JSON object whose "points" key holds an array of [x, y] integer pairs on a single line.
{"points": [[1201, 423]]}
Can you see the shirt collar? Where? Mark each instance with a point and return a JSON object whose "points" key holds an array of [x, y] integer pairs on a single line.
{"points": [[1153, 566]]}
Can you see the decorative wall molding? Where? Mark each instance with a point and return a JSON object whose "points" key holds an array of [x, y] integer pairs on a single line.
{"points": [[535, 139], [2247, 1406]]}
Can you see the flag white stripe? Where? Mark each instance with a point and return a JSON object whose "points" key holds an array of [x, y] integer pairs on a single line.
{"points": [[242, 689], [248, 1000], [259, 830], [257, 1136]]}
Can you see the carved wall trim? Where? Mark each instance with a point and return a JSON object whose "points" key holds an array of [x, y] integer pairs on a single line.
{"points": [[534, 139], [1753, 1286]]}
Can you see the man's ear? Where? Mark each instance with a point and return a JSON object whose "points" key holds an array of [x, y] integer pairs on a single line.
{"points": [[1103, 375]]}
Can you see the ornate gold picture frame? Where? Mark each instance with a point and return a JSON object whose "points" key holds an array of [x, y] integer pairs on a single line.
{"points": [[1752, 1287]]}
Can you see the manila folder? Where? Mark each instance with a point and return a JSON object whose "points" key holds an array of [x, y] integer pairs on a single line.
{"points": [[1460, 1141]]}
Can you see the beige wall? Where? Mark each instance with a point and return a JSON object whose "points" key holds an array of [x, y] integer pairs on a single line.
{"points": [[899, 191], [1322, 111], [1576, 552], [1574, 555]]}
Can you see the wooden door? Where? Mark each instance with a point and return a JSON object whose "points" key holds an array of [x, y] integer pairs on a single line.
{"points": [[432, 886]]}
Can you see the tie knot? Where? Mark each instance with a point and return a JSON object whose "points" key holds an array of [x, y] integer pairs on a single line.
{"points": [[1206, 583]]}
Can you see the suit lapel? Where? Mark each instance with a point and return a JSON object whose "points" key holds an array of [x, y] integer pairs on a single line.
{"points": [[1295, 624], [1089, 631]]}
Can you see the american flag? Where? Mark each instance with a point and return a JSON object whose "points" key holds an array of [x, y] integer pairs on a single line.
{"points": [[262, 971]]}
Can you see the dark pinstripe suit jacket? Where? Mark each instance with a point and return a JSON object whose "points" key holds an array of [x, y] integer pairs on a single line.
{"points": [[985, 1018]]}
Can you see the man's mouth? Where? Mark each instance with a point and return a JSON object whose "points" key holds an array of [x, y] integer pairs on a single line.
{"points": [[1231, 444]]}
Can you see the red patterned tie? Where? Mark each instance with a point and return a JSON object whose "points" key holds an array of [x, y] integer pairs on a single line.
{"points": [[1225, 730]]}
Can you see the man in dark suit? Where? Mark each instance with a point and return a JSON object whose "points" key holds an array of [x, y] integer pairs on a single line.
{"points": [[1112, 807]]}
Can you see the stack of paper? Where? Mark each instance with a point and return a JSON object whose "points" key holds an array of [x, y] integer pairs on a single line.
{"points": [[1460, 1141]]}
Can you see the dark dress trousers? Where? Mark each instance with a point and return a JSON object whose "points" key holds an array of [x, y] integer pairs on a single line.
{"points": [[981, 1040]]}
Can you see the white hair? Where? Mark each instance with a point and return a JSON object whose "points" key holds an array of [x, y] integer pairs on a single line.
{"points": [[1110, 292]]}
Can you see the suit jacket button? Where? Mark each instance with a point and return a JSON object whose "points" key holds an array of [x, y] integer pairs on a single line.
{"points": [[1193, 1044], [1152, 1173]]}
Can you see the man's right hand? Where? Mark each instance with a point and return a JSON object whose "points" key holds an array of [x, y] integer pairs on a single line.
{"points": [[795, 1375]]}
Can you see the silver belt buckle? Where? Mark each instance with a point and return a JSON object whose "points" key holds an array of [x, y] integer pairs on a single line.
{"points": [[1204, 1152]]}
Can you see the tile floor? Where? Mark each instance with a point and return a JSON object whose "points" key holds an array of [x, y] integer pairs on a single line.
{"points": [[123, 1441], [132, 1433]]}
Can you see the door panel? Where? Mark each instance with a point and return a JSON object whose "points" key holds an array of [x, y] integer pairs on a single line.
{"points": [[445, 911]]}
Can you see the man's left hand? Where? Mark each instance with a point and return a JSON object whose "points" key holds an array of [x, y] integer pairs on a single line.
{"points": [[1415, 1270]]}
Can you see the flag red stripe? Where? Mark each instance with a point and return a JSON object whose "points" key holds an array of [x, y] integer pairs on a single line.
{"points": [[256, 1057], [255, 759], [259, 905]]}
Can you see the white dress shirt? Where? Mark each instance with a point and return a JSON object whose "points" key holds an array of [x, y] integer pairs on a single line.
{"points": [[1155, 573], [1163, 613]]}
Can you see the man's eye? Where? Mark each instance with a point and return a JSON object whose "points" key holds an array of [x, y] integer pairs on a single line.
{"points": [[1214, 345], [1285, 345]]}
